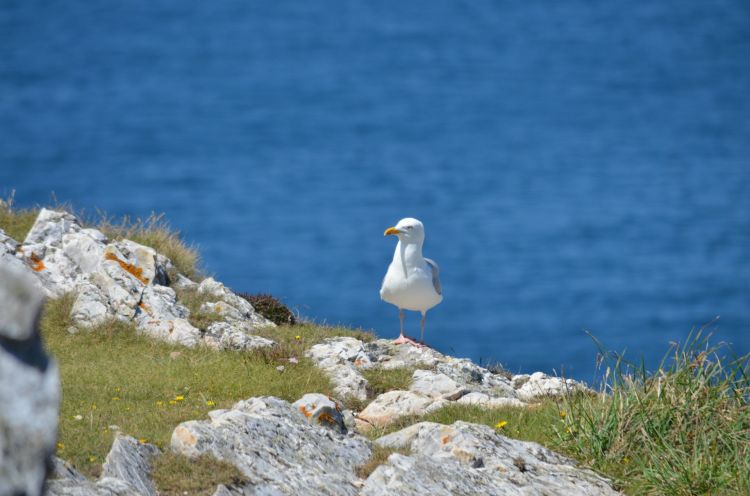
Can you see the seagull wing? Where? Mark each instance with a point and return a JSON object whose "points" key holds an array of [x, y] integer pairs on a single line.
{"points": [[435, 275]]}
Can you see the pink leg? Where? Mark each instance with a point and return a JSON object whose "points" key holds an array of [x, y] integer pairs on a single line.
{"points": [[421, 337], [401, 338]]}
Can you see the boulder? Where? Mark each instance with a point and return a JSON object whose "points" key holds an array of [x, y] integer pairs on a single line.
{"points": [[29, 387], [224, 336], [322, 410], [342, 358], [276, 448], [487, 401], [390, 406], [539, 385], [125, 472], [436, 385], [131, 461], [468, 459], [235, 309]]}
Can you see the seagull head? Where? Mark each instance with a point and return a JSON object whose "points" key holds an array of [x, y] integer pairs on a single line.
{"points": [[408, 230]]}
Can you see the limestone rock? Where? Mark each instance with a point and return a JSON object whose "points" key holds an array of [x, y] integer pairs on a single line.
{"points": [[321, 410], [273, 445], [130, 461], [29, 387], [125, 472], [392, 356], [236, 310], [436, 385], [390, 406], [539, 385], [466, 458], [420, 475], [485, 400], [341, 358], [223, 336]]}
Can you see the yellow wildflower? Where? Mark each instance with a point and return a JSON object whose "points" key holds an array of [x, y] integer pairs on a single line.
{"points": [[626, 460], [210, 403], [92, 458], [562, 414], [159, 403], [143, 440], [115, 398], [93, 406], [60, 446], [179, 397], [501, 424], [297, 337], [172, 402]]}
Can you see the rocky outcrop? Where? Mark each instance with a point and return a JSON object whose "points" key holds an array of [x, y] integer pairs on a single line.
{"points": [[127, 281], [29, 387], [437, 381], [272, 443], [125, 472], [469, 459]]}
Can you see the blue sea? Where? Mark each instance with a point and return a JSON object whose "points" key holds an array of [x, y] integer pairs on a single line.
{"points": [[579, 166]]}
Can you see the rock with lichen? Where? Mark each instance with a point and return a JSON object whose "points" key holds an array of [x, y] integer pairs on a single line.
{"points": [[468, 459], [275, 446]]}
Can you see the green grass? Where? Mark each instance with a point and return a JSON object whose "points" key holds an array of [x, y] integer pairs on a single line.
{"points": [[16, 222], [176, 475], [384, 380], [193, 300], [683, 429], [379, 456], [113, 376]]}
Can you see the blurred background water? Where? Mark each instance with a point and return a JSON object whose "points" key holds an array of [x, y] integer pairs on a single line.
{"points": [[578, 165]]}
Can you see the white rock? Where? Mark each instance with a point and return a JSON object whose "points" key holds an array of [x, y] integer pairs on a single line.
{"points": [[485, 400], [321, 410], [469, 459], [436, 385], [276, 448], [223, 336], [238, 311], [390, 406], [539, 385], [131, 461]]}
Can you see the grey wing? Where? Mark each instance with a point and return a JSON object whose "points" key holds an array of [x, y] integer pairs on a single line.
{"points": [[435, 275]]}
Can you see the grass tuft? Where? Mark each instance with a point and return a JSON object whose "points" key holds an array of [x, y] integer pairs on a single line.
{"points": [[379, 456], [156, 233], [384, 380], [683, 429], [16, 222], [175, 475]]}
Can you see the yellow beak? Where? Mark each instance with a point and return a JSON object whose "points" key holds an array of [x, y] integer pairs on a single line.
{"points": [[391, 230]]}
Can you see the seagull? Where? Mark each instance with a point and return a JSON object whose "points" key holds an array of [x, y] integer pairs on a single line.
{"points": [[412, 281]]}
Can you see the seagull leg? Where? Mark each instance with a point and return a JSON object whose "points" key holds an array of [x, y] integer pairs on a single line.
{"points": [[421, 336], [401, 338]]}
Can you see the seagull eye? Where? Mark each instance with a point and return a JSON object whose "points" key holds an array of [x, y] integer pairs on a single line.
{"points": [[409, 227]]}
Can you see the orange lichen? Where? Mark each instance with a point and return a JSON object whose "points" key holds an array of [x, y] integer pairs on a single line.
{"points": [[304, 411], [36, 264], [445, 439], [131, 269], [327, 417], [144, 307], [357, 363]]}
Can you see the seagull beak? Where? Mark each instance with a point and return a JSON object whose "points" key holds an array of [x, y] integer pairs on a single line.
{"points": [[391, 230]]}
